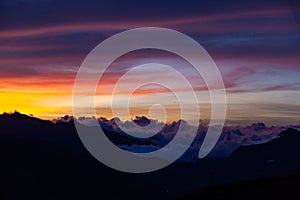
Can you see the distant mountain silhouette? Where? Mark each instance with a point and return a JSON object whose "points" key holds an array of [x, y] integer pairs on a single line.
{"points": [[285, 147], [63, 133], [278, 158], [44, 160], [30, 128], [142, 120]]}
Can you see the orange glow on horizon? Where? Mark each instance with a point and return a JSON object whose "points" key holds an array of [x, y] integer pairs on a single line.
{"points": [[50, 101]]}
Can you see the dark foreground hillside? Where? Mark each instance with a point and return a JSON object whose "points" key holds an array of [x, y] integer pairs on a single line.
{"points": [[266, 188]]}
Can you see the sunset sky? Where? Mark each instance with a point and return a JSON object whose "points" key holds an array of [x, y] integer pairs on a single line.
{"points": [[255, 44]]}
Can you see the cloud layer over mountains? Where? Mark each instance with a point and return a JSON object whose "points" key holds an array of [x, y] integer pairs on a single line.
{"points": [[231, 137]]}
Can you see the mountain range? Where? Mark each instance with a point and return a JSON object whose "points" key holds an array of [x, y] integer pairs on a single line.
{"points": [[42, 159]]}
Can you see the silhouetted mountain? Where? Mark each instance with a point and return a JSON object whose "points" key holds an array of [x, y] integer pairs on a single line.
{"points": [[44, 160], [62, 133], [142, 120], [231, 137], [285, 147], [278, 158]]}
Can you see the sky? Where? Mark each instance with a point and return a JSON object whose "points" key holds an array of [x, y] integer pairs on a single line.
{"points": [[255, 44]]}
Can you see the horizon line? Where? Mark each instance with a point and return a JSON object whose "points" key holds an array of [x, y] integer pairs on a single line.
{"points": [[201, 122]]}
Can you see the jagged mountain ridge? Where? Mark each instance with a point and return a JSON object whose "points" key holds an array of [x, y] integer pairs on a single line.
{"points": [[63, 133], [52, 171]]}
